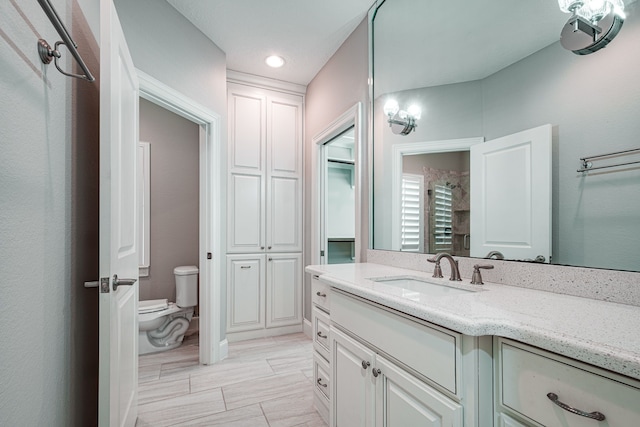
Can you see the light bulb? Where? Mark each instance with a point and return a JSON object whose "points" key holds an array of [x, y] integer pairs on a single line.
{"points": [[415, 111], [402, 115], [391, 107]]}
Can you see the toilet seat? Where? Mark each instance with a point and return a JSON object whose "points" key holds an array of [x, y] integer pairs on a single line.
{"points": [[149, 306]]}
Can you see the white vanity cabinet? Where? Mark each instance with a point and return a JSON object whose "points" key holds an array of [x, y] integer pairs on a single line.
{"points": [[320, 319], [527, 379], [389, 369], [264, 211], [263, 291]]}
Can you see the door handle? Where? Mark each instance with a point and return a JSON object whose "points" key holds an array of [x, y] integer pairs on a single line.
{"points": [[122, 282]]}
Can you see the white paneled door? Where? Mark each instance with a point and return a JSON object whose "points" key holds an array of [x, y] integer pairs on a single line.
{"points": [[511, 195], [118, 306]]}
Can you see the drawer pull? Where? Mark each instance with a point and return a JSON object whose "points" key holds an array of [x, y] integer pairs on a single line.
{"points": [[245, 266], [320, 294], [593, 415], [320, 383], [365, 364], [321, 336]]}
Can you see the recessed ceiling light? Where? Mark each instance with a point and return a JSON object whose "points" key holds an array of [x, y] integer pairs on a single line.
{"points": [[274, 61]]}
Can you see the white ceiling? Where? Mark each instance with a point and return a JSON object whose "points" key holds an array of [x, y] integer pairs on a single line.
{"points": [[305, 32]]}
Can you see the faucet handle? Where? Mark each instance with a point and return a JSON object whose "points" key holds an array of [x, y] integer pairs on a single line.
{"points": [[437, 270], [476, 278]]}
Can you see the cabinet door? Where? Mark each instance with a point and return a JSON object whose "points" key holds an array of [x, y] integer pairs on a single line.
{"points": [[245, 213], [284, 214], [247, 129], [352, 385], [245, 292], [284, 136], [404, 400], [284, 290]]}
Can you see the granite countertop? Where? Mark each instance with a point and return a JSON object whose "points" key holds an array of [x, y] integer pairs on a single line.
{"points": [[600, 333]]}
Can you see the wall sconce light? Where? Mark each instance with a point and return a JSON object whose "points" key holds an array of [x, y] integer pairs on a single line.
{"points": [[593, 24], [400, 121]]}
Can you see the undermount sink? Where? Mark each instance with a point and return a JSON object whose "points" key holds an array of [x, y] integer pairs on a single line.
{"points": [[412, 286]]}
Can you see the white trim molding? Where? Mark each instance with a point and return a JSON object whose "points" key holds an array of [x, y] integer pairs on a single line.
{"points": [[212, 177], [351, 117]]}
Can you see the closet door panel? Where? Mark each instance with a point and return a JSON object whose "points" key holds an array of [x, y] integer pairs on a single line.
{"points": [[247, 130], [245, 292], [284, 215], [284, 290], [284, 137], [246, 214]]}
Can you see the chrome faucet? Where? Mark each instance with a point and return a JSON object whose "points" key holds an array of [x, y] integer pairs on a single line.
{"points": [[437, 271], [494, 254]]}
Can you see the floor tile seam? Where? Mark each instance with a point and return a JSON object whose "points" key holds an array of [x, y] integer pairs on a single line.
{"points": [[280, 396], [182, 395], [264, 414], [273, 373], [162, 399]]}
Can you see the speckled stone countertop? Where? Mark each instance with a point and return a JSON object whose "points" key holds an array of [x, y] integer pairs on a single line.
{"points": [[600, 333]]}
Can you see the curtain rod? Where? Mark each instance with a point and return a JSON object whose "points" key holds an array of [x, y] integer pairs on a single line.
{"points": [[47, 53]]}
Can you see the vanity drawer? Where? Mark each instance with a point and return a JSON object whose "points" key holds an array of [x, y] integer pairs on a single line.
{"points": [[320, 393], [430, 351], [321, 332], [527, 375], [320, 293], [322, 378]]}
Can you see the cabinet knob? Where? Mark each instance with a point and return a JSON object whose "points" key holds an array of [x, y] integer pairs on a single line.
{"points": [[270, 259], [376, 372], [262, 247], [269, 247], [365, 364]]}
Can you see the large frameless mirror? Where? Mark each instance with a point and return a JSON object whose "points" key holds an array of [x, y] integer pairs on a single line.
{"points": [[450, 78]]}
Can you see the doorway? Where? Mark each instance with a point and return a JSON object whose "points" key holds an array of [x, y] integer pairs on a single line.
{"points": [[211, 178], [337, 199]]}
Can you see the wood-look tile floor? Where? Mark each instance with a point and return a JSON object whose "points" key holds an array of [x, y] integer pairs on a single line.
{"points": [[263, 382]]}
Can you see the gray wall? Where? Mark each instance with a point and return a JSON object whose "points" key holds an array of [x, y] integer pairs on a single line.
{"points": [[340, 84], [174, 198], [169, 48], [593, 103], [48, 221]]}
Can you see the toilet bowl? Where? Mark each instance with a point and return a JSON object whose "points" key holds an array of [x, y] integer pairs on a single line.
{"points": [[162, 324]]}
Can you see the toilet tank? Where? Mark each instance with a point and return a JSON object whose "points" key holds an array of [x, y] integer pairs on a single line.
{"points": [[186, 285]]}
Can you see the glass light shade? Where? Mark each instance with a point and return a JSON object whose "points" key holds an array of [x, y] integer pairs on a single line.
{"points": [[618, 8], [391, 107], [569, 6], [595, 10], [415, 111]]}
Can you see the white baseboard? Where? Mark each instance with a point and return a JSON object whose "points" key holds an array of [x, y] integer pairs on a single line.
{"points": [[262, 333], [308, 329], [224, 349]]}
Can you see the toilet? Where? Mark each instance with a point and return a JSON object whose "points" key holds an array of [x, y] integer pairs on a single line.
{"points": [[162, 324]]}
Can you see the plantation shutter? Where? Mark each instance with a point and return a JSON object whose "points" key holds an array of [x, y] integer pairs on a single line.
{"points": [[412, 213]]}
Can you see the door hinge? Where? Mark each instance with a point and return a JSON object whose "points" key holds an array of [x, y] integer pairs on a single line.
{"points": [[209, 255], [321, 253]]}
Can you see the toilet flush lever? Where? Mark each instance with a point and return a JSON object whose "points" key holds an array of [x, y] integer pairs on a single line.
{"points": [[122, 282]]}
